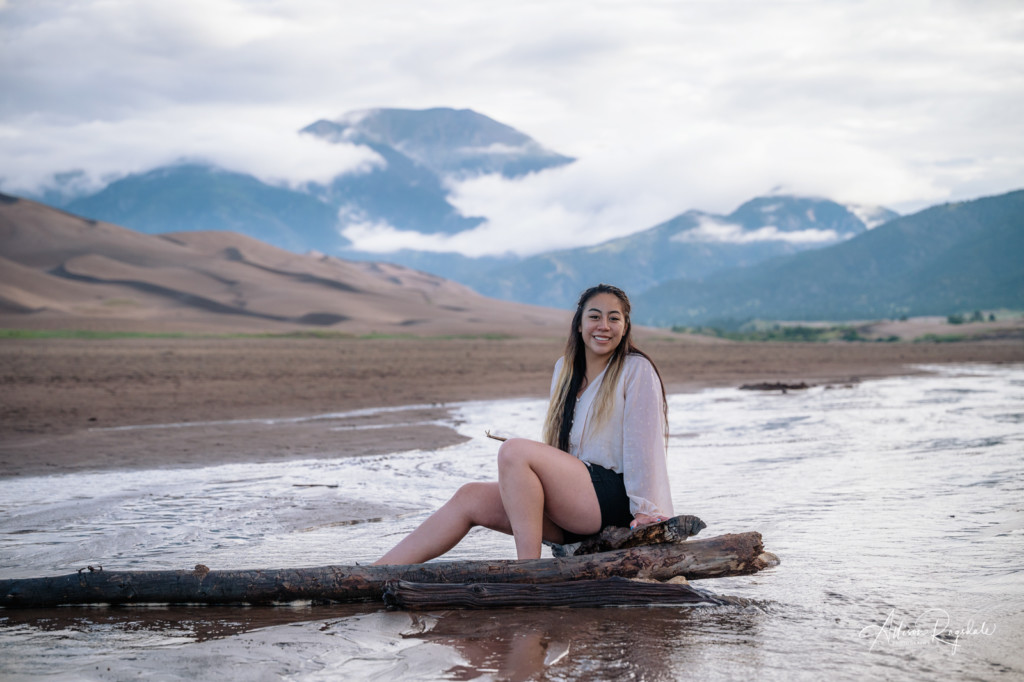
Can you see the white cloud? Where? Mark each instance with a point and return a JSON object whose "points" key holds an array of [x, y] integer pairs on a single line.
{"points": [[709, 229], [871, 216], [104, 150], [380, 237], [496, 148], [636, 186], [583, 203], [668, 106]]}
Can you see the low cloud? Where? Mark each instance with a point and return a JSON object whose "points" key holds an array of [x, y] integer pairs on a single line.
{"points": [[619, 191], [633, 188], [497, 148], [871, 216], [380, 237], [99, 152], [711, 229]]}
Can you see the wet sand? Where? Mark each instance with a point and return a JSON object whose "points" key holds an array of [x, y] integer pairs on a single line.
{"points": [[65, 403]]}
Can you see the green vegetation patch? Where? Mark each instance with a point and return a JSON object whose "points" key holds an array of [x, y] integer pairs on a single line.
{"points": [[976, 316], [786, 333], [943, 338]]}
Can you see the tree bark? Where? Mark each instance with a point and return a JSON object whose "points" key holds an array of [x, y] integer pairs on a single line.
{"points": [[586, 593], [676, 529], [724, 555]]}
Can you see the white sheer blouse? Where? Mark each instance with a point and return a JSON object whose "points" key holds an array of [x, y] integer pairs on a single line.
{"points": [[631, 441]]}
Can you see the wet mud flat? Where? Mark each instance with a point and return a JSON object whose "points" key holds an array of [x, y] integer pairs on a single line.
{"points": [[894, 505], [61, 400]]}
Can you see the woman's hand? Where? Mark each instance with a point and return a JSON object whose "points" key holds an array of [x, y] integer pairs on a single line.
{"points": [[646, 520]]}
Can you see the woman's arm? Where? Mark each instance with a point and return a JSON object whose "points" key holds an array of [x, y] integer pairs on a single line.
{"points": [[644, 460]]}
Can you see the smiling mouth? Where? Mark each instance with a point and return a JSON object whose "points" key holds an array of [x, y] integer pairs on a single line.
{"points": [[602, 338]]}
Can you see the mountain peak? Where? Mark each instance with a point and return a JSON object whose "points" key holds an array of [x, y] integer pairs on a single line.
{"points": [[792, 213], [450, 142]]}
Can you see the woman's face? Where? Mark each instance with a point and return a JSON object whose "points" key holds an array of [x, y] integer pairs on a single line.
{"points": [[603, 325]]}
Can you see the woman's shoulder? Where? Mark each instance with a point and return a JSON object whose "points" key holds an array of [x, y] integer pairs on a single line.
{"points": [[639, 370], [635, 362], [640, 375], [637, 367]]}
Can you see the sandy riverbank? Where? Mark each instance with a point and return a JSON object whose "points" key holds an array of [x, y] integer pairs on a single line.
{"points": [[64, 401]]}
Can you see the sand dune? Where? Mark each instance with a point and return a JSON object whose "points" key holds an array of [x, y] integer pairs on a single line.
{"points": [[62, 271]]}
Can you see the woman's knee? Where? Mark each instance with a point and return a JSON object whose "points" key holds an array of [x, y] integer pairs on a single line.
{"points": [[513, 452], [470, 494], [479, 503]]}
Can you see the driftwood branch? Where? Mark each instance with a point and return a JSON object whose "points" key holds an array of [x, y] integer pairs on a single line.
{"points": [[676, 529], [775, 386], [587, 593], [724, 555]]}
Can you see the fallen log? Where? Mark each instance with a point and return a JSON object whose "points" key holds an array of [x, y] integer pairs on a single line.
{"points": [[724, 555], [400, 594]]}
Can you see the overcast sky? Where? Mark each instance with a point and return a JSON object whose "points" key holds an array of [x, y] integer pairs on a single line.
{"points": [[668, 104]]}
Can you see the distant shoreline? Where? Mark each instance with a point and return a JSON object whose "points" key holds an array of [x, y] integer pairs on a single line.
{"points": [[61, 395]]}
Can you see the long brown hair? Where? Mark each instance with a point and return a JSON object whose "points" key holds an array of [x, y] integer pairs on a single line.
{"points": [[562, 409]]}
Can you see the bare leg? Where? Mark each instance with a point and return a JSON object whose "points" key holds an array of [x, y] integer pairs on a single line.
{"points": [[474, 504], [540, 491], [538, 481]]}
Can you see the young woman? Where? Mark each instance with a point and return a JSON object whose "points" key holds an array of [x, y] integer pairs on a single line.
{"points": [[603, 460]]}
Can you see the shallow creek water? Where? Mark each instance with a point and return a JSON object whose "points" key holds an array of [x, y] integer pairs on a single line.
{"points": [[896, 507]]}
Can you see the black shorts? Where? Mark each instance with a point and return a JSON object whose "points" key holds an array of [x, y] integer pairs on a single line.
{"points": [[611, 495]]}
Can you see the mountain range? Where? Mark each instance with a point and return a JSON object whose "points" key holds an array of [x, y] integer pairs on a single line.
{"points": [[694, 244], [421, 152], [199, 197], [418, 150], [782, 257], [946, 259], [60, 269]]}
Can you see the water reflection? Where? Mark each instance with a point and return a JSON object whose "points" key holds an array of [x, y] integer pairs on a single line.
{"points": [[173, 624], [654, 643]]}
